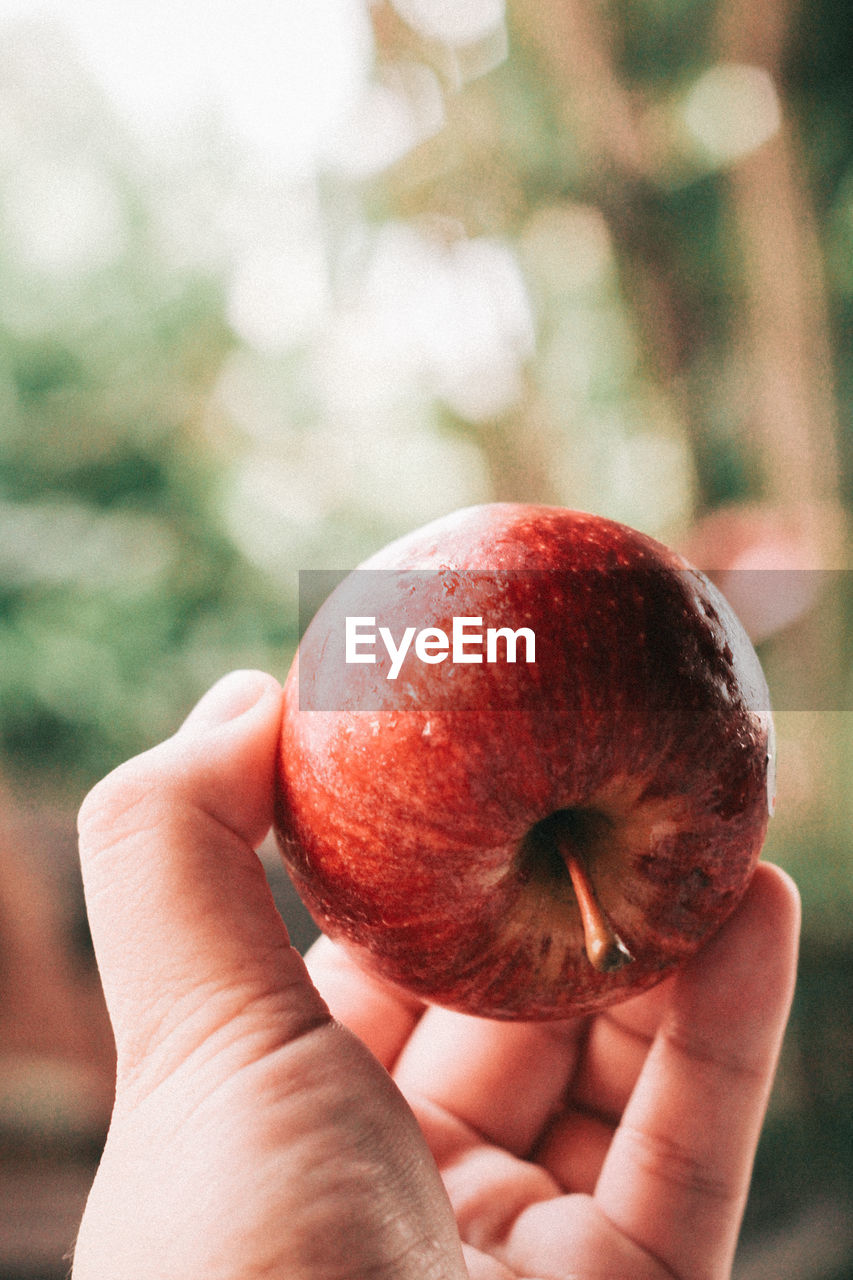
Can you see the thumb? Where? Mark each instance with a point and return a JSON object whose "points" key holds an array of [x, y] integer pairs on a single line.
{"points": [[185, 930]]}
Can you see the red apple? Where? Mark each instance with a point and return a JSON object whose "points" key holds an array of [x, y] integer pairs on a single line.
{"points": [[528, 839]]}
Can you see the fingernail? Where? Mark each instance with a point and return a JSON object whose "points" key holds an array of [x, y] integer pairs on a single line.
{"points": [[229, 698]]}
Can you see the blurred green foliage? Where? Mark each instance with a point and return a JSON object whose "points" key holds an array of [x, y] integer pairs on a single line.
{"points": [[115, 569]]}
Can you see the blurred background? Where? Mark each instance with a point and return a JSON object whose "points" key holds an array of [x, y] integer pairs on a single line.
{"points": [[279, 282]]}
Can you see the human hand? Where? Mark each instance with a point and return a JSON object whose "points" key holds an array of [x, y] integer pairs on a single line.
{"points": [[255, 1136]]}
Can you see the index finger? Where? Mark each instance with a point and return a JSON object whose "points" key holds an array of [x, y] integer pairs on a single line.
{"points": [[676, 1177]]}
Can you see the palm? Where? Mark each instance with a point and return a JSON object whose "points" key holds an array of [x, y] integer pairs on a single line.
{"points": [[612, 1147], [552, 1149]]}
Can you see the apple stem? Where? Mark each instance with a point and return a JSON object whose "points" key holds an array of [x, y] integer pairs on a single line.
{"points": [[605, 950]]}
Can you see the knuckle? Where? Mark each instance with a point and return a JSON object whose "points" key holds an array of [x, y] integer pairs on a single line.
{"points": [[678, 1166], [714, 1058], [123, 803]]}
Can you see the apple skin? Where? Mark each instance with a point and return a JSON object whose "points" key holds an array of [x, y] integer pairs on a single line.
{"points": [[421, 834]]}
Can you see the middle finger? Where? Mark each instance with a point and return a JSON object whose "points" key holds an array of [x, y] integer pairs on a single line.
{"points": [[504, 1079]]}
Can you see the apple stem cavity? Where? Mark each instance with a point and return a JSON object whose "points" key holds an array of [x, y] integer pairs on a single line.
{"points": [[604, 948]]}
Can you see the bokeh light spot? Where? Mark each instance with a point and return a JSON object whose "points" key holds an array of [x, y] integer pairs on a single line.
{"points": [[732, 110]]}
